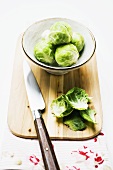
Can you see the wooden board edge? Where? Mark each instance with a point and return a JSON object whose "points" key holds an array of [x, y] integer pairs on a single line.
{"points": [[56, 138]]}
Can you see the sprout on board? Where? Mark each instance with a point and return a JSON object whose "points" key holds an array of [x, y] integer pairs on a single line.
{"points": [[60, 107], [77, 98]]}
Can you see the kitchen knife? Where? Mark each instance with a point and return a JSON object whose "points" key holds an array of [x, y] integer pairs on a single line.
{"points": [[37, 104]]}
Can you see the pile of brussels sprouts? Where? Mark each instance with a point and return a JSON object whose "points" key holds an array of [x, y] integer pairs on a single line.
{"points": [[59, 46]]}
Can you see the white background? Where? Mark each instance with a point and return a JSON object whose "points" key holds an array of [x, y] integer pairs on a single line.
{"points": [[97, 15]]}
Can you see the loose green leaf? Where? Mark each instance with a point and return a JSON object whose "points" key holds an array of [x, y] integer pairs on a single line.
{"points": [[74, 121], [88, 115]]}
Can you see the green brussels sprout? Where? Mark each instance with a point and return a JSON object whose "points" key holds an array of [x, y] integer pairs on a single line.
{"points": [[77, 98], [44, 52], [60, 107], [66, 55], [60, 33], [74, 121], [78, 40]]}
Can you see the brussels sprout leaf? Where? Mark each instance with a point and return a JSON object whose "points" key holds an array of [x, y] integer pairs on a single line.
{"points": [[89, 115], [74, 121]]}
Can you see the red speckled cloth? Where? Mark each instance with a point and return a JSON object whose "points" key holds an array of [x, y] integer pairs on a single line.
{"points": [[20, 153]]}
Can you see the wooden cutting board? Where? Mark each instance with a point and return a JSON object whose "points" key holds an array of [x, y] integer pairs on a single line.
{"points": [[20, 119]]}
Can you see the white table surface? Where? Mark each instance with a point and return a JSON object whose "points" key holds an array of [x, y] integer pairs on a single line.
{"points": [[16, 16]]}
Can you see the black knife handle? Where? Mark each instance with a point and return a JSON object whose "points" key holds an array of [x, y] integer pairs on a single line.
{"points": [[48, 154]]}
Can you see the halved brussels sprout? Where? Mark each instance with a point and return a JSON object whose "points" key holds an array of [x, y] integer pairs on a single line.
{"points": [[77, 98], [66, 55], [78, 40], [60, 33], [60, 107], [44, 52]]}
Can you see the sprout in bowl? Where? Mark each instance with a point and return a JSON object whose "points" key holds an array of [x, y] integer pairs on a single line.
{"points": [[52, 45], [44, 52], [78, 41], [66, 55], [60, 33]]}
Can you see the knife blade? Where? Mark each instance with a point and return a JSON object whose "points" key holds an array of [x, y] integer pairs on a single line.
{"points": [[37, 104]]}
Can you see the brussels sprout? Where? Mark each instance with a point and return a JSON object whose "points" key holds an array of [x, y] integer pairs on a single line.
{"points": [[78, 40], [60, 33], [88, 115], [60, 107], [66, 55], [74, 121], [44, 52], [77, 98]]}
